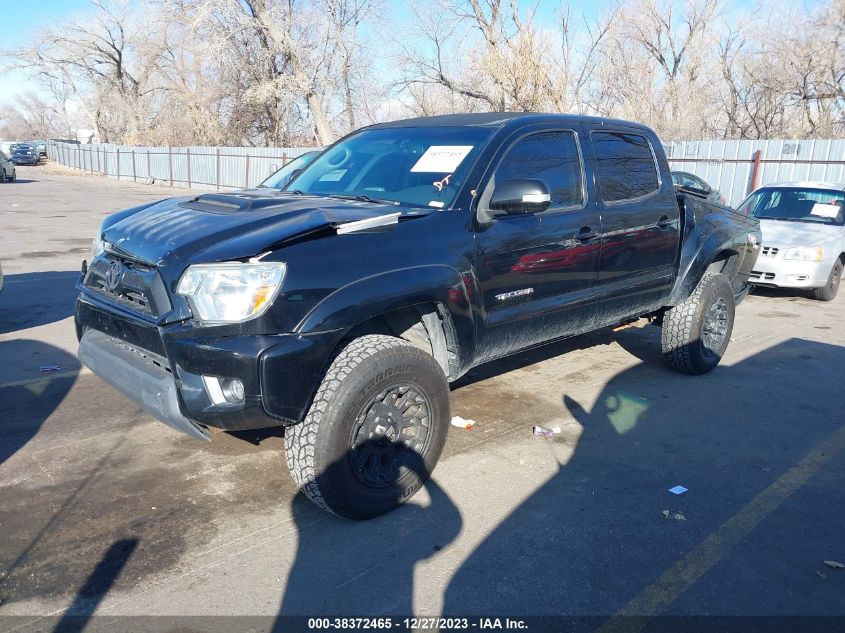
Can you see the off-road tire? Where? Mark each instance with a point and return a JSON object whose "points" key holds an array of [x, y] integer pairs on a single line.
{"points": [[829, 290], [681, 336], [318, 449]]}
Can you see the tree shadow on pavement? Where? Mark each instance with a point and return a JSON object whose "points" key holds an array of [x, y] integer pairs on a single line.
{"points": [[345, 567], [96, 586], [605, 526], [32, 299], [26, 404]]}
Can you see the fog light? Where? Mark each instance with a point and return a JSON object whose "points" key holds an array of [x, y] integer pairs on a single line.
{"points": [[224, 390], [233, 390]]}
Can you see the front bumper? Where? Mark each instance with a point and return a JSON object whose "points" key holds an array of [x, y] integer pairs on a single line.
{"points": [[141, 377], [777, 272], [161, 369]]}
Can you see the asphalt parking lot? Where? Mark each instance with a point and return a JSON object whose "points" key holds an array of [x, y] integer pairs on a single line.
{"points": [[103, 510]]}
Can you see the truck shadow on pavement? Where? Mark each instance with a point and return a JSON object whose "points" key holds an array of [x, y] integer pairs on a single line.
{"points": [[26, 404], [373, 573], [602, 530], [598, 533], [32, 299]]}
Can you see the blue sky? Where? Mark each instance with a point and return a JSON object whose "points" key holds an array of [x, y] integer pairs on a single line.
{"points": [[20, 19]]}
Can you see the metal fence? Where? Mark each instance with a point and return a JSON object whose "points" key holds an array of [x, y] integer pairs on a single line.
{"points": [[733, 167], [738, 167], [193, 167]]}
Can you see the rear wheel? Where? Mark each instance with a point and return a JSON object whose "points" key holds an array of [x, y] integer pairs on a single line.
{"points": [[696, 332], [374, 431], [829, 290]]}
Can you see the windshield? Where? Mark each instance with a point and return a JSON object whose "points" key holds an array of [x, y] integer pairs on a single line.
{"points": [[423, 167], [796, 204], [282, 177]]}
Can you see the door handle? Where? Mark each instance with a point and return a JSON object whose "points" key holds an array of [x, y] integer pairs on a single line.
{"points": [[664, 222], [586, 234]]}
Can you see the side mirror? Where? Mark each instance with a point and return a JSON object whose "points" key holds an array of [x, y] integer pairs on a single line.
{"points": [[520, 197]]}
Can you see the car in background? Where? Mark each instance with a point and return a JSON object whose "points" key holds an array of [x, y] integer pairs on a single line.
{"points": [[803, 244], [25, 154], [695, 184], [7, 169], [41, 146], [280, 178], [12, 148]]}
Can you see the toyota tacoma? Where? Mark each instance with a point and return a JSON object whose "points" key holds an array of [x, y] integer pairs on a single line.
{"points": [[404, 255]]}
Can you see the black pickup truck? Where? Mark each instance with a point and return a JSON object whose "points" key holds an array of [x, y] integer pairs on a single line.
{"points": [[404, 255]]}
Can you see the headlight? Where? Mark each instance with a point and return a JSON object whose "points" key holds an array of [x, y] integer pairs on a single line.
{"points": [[97, 246], [805, 253], [231, 292]]}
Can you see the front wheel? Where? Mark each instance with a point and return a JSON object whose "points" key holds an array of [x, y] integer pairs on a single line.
{"points": [[374, 431], [696, 332], [829, 290]]}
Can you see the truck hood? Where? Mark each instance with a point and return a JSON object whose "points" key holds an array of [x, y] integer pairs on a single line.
{"points": [[783, 234], [218, 227]]}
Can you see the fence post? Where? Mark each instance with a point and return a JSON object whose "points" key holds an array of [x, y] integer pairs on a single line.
{"points": [[755, 171], [118, 163], [217, 173], [149, 166], [134, 173], [188, 154], [246, 175], [170, 162]]}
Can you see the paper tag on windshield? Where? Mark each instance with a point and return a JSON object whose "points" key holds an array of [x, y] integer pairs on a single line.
{"points": [[825, 210], [442, 159]]}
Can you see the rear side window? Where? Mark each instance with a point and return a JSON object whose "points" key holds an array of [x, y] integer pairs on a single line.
{"points": [[548, 156], [625, 166]]}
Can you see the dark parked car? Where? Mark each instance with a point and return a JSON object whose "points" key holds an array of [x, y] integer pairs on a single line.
{"points": [[280, 179], [695, 184], [25, 154], [7, 169], [404, 255]]}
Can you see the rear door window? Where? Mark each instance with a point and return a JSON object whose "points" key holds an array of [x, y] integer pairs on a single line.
{"points": [[625, 166], [551, 157]]}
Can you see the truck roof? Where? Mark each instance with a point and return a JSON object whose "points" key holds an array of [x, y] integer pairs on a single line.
{"points": [[499, 119]]}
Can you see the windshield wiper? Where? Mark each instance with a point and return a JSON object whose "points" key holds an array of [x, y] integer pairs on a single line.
{"points": [[362, 198]]}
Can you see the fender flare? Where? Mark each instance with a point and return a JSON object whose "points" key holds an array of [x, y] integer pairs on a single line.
{"points": [[697, 256], [370, 297]]}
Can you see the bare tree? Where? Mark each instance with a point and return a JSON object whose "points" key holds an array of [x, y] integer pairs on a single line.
{"points": [[302, 72]]}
